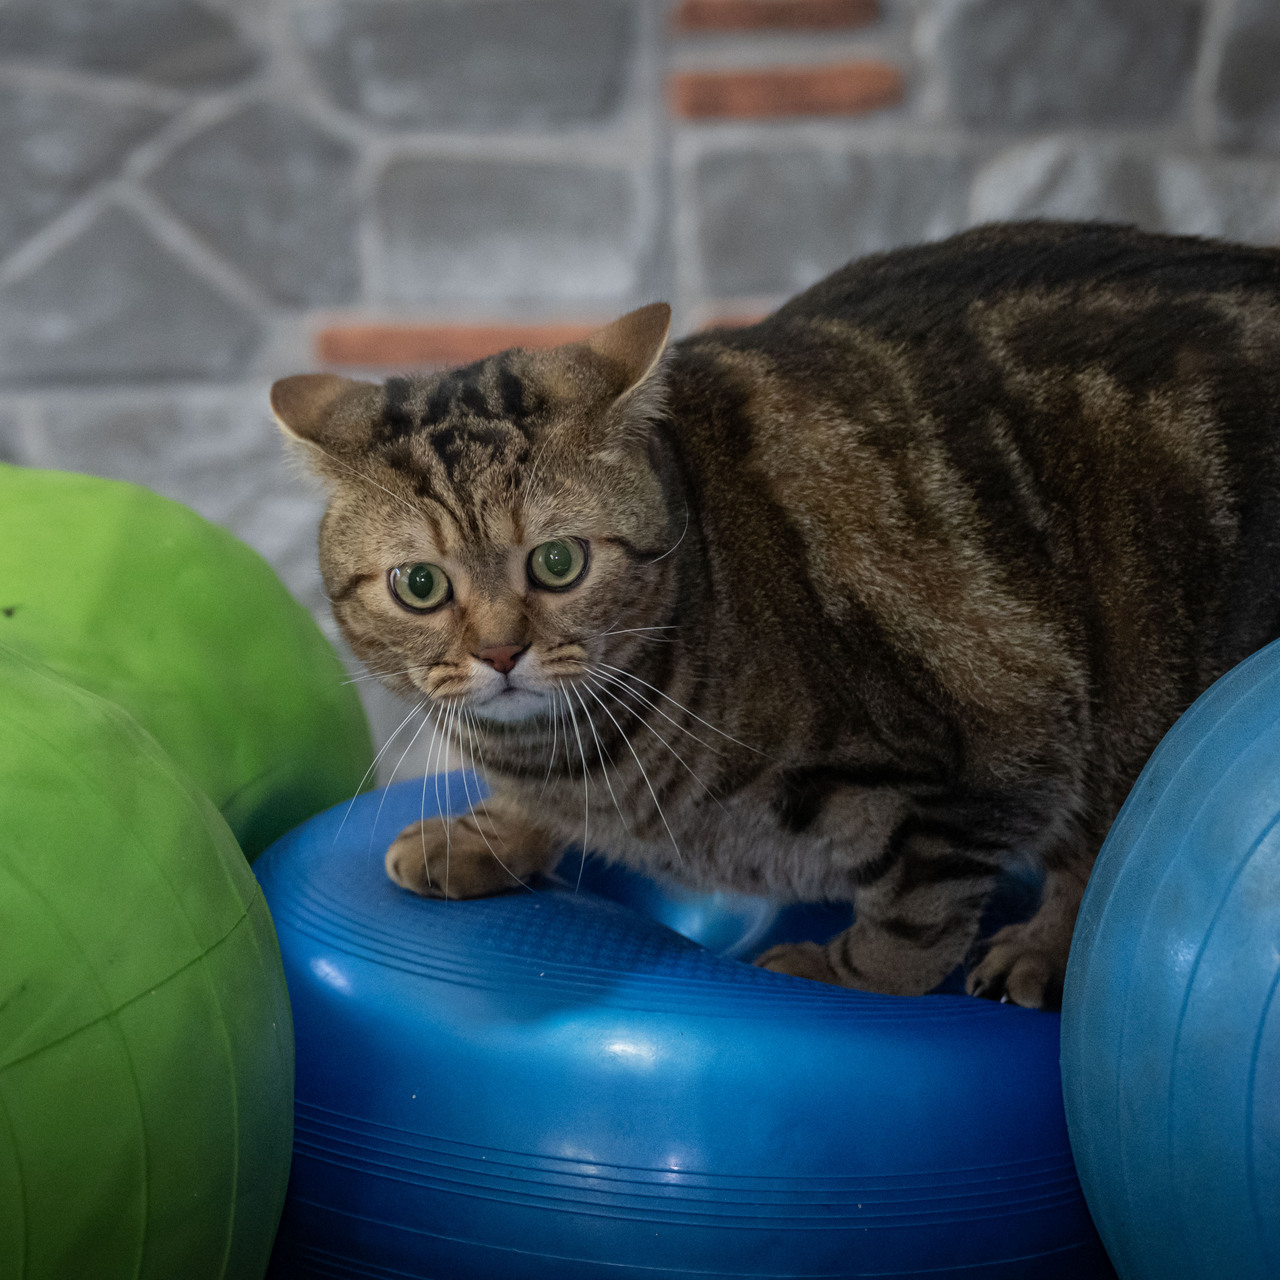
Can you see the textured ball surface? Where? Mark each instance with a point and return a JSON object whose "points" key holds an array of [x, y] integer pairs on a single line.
{"points": [[146, 1049], [1171, 1027], [140, 600]]}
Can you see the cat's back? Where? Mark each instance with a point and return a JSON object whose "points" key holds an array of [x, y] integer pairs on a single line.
{"points": [[911, 294], [1024, 442], [1004, 376], [960, 318]]}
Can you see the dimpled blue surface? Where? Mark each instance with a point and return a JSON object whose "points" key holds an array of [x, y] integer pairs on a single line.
{"points": [[555, 1084], [1171, 1032]]}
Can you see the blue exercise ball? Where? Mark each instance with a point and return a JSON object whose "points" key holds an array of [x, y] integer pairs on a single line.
{"points": [[1171, 1029], [556, 1085]]}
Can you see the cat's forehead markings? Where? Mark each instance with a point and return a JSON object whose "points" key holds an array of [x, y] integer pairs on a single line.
{"points": [[398, 419], [416, 466], [490, 390], [435, 529], [468, 451]]}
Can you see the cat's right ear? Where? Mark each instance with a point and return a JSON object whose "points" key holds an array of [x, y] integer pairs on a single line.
{"points": [[326, 411]]}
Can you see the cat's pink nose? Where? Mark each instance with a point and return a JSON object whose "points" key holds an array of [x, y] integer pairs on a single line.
{"points": [[502, 657]]}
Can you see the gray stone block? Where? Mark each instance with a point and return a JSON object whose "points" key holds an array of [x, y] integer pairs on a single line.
{"points": [[1184, 194], [115, 305], [274, 195], [1247, 89], [492, 64], [1232, 200], [220, 454], [772, 222], [1017, 64], [480, 229], [53, 146], [170, 42], [1056, 178]]}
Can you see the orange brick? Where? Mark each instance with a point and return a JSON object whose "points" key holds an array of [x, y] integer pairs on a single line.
{"points": [[837, 89], [372, 346], [773, 15], [733, 320]]}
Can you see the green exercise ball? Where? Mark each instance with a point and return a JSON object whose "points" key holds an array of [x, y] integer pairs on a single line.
{"points": [[140, 600], [146, 1046]]}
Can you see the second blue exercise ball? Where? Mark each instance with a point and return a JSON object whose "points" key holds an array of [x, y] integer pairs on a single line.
{"points": [[1171, 1027]]}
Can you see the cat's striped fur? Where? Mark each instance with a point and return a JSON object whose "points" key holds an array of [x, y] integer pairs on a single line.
{"points": [[906, 579]]}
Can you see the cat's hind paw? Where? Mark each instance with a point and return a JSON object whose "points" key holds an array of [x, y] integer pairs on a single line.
{"points": [[1026, 963], [1020, 967]]}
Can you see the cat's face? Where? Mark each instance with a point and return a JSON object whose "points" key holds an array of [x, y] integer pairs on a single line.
{"points": [[497, 588], [496, 535]]}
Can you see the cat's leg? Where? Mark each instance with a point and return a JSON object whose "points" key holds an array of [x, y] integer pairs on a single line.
{"points": [[493, 848], [1026, 963], [915, 921]]}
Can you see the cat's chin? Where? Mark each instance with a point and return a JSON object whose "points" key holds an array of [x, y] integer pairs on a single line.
{"points": [[511, 705]]}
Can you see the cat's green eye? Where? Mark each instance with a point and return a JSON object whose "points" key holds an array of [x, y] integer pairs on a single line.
{"points": [[558, 564], [419, 586]]}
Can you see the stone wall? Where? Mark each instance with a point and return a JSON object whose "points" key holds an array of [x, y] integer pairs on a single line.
{"points": [[198, 196]]}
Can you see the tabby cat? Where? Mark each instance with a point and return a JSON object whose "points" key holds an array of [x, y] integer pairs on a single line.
{"points": [[857, 603]]}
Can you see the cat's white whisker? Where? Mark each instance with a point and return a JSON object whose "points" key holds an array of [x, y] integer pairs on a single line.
{"points": [[475, 817], [604, 675], [678, 541], [375, 674], [604, 761], [711, 794], [639, 633], [381, 752], [640, 765], [438, 749], [479, 766], [435, 758], [448, 826], [482, 767], [582, 856], [533, 467], [632, 631], [360, 475], [422, 824], [625, 631], [555, 722], [426, 719], [586, 802], [620, 671]]}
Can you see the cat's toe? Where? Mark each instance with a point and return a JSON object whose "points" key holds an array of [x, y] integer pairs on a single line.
{"points": [[1016, 970], [408, 864], [433, 862], [408, 868], [800, 960]]}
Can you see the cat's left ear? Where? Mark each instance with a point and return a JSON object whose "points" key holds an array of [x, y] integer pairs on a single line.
{"points": [[628, 354], [632, 346]]}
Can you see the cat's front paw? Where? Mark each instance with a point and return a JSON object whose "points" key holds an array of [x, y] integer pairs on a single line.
{"points": [[800, 960], [489, 850], [1023, 965]]}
